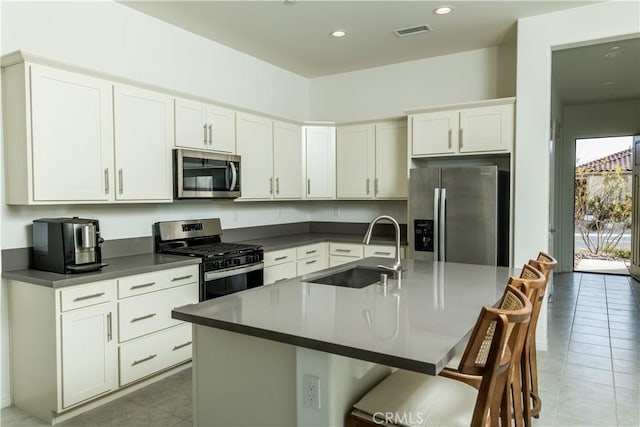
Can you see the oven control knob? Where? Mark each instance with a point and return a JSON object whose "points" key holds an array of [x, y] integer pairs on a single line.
{"points": [[249, 258], [227, 262], [236, 261], [216, 265]]}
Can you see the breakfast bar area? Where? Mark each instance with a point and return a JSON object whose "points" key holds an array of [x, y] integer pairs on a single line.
{"points": [[303, 352]]}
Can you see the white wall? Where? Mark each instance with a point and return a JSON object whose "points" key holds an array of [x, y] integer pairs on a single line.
{"points": [[586, 121], [537, 37], [390, 90]]}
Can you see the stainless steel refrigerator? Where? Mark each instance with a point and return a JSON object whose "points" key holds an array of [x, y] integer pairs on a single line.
{"points": [[459, 214]]}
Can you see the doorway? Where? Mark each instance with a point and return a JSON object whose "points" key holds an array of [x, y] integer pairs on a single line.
{"points": [[603, 204]]}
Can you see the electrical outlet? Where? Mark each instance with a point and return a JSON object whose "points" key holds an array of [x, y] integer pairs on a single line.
{"points": [[311, 391]]}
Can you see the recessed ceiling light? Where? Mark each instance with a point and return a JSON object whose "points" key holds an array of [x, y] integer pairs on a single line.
{"points": [[609, 84], [443, 10], [614, 54], [616, 47], [339, 33]]}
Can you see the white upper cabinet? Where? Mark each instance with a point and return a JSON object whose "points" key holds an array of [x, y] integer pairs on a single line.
{"points": [[287, 161], [355, 161], [372, 161], [254, 143], [320, 162], [486, 129], [435, 133], [204, 126], [143, 142], [392, 171], [74, 138], [480, 128], [71, 140]]}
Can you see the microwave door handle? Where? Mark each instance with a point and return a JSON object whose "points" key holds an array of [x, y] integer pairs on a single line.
{"points": [[234, 176]]}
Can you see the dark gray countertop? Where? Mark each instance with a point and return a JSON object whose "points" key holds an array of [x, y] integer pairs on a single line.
{"points": [[118, 267], [419, 326], [293, 240]]}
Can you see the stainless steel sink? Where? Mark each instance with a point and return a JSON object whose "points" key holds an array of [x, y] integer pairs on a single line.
{"points": [[356, 277]]}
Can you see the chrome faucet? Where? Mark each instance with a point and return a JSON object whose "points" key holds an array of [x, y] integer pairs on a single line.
{"points": [[397, 266]]}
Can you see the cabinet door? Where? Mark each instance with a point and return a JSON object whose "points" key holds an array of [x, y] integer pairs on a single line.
{"points": [[254, 142], [190, 124], [486, 129], [391, 179], [71, 136], [287, 160], [320, 162], [88, 353], [221, 131], [435, 133], [279, 272], [355, 162], [143, 123]]}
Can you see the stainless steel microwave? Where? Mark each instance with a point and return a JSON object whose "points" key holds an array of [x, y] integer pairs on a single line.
{"points": [[205, 175]]}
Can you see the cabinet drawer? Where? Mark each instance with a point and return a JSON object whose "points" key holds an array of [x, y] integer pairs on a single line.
{"points": [[346, 249], [150, 354], [380, 251], [145, 314], [277, 273], [310, 265], [279, 257], [154, 281], [86, 295], [308, 251]]}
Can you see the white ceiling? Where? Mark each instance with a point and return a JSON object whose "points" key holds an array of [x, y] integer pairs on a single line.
{"points": [[579, 73], [294, 35]]}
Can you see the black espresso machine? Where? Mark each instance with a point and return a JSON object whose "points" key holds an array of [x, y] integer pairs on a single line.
{"points": [[67, 245]]}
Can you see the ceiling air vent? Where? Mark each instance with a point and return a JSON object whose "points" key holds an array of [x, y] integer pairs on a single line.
{"points": [[412, 30]]}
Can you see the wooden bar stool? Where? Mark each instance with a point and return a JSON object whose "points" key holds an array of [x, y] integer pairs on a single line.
{"points": [[411, 398], [544, 263]]}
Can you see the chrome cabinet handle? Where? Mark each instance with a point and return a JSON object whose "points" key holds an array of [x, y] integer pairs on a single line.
{"points": [[82, 298], [175, 279], [178, 347], [311, 252], [146, 359], [271, 185], [205, 134], [308, 186], [109, 327], [277, 185], [144, 285], [367, 185], [450, 136], [106, 181], [343, 250], [381, 253], [311, 262], [147, 316], [461, 138], [120, 184], [281, 258], [210, 134]]}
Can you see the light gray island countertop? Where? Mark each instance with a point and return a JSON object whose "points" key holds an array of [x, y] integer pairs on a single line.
{"points": [[419, 326]]}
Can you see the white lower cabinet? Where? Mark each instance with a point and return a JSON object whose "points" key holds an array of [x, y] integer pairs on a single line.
{"points": [[342, 253], [71, 345], [152, 353], [88, 350], [279, 265]]}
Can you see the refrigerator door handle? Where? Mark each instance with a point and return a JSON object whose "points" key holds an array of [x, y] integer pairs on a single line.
{"points": [[436, 222], [442, 221]]}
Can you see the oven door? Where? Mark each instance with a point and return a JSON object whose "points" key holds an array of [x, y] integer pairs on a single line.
{"points": [[202, 174], [223, 282]]}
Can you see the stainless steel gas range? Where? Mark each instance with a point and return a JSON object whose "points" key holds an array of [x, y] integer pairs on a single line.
{"points": [[225, 268]]}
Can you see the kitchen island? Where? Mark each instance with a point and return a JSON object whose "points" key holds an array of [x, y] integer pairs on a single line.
{"points": [[300, 353]]}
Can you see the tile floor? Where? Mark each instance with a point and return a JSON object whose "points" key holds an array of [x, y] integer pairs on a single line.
{"points": [[589, 375]]}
